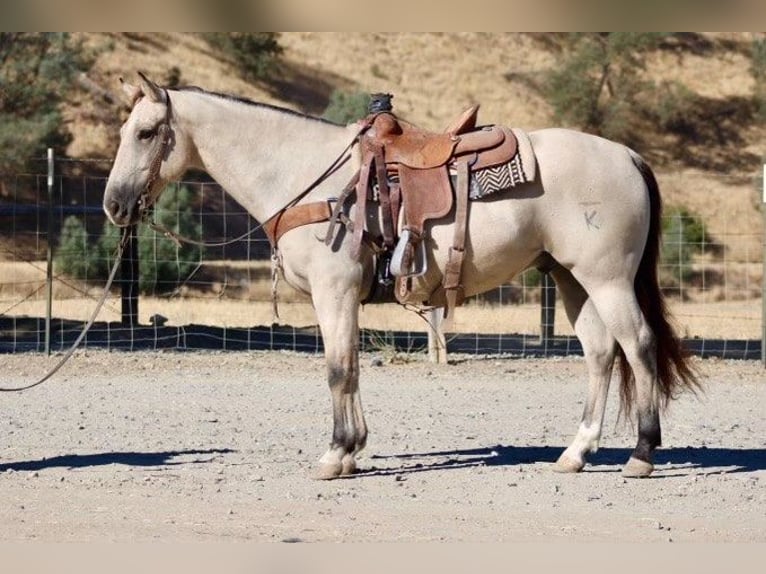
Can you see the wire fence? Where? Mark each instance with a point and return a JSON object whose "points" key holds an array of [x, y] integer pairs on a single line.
{"points": [[190, 298]]}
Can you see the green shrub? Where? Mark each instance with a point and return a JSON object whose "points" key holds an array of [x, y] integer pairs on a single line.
{"points": [[73, 256], [346, 107], [758, 70], [162, 264], [253, 53], [672, 103], [597, 84], [683, 236]]}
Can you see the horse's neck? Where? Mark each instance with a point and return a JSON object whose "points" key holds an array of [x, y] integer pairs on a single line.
{"points": [[263, 157]]}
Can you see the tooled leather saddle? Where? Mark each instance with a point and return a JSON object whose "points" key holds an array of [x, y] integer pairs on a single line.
{"points": [[414, 176], [409, 171]]}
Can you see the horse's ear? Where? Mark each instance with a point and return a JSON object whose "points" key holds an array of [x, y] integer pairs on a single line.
{"points": [[132, 92], [151, 90]]}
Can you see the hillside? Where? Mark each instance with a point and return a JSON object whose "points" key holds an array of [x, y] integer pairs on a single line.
{"points": [[434, 76]]}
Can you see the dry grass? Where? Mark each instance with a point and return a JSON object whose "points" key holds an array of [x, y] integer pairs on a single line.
{"points": [[723, 320], [714, 319]]}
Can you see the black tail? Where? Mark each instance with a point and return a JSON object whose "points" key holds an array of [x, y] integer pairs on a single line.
{"points": [[674, 371]]}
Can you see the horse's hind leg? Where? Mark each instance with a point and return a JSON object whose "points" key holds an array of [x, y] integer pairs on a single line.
{"points": [[599, 349], [618, 307], [337, 311]]}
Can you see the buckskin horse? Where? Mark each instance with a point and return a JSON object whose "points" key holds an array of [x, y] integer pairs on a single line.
{"points": [[587, 210]]}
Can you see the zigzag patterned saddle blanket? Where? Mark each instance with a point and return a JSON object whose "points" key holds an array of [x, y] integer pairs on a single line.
{"points": [[417, 176], [414, 176]]}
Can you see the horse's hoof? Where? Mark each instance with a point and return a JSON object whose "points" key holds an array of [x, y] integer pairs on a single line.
{"points": [[348, 465], [328, 471], [568, 465], [637, 468]]}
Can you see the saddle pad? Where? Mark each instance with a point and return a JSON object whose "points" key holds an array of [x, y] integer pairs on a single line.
{"points": [[521, 169]]}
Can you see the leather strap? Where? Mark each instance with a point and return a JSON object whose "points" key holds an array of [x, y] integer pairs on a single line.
{"points": [[117, 263], [452, 286], [384, 196], [296, 216], [362, 187], [337, 211]]}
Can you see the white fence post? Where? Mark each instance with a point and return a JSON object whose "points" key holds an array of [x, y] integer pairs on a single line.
{"points": [[763, 273], [437, 343], [49, 266]]}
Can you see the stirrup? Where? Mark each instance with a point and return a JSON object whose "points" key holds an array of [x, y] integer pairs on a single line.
{"points": [[419, 264]]}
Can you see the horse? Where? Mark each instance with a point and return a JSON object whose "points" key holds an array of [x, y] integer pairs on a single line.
{"points": [[591, 217]]}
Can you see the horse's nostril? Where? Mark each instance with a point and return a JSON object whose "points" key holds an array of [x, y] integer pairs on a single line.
{"points": [[116, 210], [112, 207]]}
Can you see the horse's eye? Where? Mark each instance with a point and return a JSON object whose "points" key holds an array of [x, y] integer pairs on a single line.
{"points": [[147, 134]]}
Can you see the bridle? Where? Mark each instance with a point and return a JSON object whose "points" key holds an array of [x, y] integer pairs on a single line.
{"points": [[145, 204], [145, 199], [163, 133]]}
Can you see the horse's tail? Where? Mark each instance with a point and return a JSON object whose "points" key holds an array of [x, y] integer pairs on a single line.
{"points": [[674, 371]]}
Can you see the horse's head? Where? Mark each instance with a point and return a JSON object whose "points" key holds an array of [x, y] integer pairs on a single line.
{"points": [[147, 157]]}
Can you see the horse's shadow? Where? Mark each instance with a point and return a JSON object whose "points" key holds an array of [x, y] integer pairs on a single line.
{"points": [[677, 461], [135, 459], [670, 461]]}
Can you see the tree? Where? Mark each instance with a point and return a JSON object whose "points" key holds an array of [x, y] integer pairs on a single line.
{"points": [[598, 84], [162, 264], [253, 53], [758, 70], [683, 237], [346, 107], [73, 256], [37, 72]]}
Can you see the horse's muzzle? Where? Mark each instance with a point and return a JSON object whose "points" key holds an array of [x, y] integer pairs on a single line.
{"points": [[121, 213]]}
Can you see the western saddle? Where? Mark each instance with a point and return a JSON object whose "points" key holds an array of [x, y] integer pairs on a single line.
{"points": [[408, 172]]}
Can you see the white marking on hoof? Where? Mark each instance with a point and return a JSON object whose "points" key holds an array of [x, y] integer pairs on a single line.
{"points": [[637, 468], [568, 465], [328, 471]]}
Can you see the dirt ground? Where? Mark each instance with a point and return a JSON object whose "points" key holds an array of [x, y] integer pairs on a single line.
{"points": [[210, 446]]}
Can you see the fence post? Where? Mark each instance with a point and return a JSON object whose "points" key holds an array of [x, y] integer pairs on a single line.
{"points": [[547, 310], [129, 280], [437, 343], [763, 274], [49, 264]]}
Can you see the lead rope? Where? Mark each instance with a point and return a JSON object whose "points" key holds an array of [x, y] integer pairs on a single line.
{"points": [[144, 206], [88, 325]]}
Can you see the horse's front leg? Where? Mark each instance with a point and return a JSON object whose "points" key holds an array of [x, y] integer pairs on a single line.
{"points": [[337, 308]]}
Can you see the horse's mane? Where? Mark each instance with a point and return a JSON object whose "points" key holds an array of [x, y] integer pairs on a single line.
{"points": [[249, 102]]}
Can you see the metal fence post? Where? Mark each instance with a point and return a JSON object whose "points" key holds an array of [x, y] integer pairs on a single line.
{"points": [[547, 310], [763, 273], [129, 280], [49, 265]]}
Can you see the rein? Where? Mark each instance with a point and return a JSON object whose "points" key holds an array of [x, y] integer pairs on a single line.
{"points": [[145, 199], [144, 202], [145, 205], [88, 325]]}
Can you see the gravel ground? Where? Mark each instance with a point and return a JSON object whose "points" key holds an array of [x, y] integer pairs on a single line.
{"points": [[216, 446]]}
